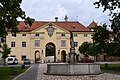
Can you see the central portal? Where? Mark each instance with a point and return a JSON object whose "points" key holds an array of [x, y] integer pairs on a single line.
{"points": [[50, 52]]}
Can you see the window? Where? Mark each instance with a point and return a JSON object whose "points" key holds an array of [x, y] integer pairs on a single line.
{"points": [[85, 35], [36, 34], [23, 44], [76, 44], [12, 44], [63, 43], [14, 35], [75, 35], [62, 35], [37, 43], [23, 57], [23, 34], [12, 56]]}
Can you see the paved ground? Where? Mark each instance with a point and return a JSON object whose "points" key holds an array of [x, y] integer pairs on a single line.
{"points": [[37, 70], [104, 76], [31, 74]]}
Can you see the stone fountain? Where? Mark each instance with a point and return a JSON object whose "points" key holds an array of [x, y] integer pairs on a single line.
{"points": [[73, 68]]}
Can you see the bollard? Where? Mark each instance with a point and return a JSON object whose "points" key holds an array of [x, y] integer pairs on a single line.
{"points": [[22, 66], [106, 65]]}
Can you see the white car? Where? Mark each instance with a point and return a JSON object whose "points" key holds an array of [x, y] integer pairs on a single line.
{"points": [[26, 61], [12, 60]]}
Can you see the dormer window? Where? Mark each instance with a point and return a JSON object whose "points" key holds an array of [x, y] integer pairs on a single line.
{"points": [[25, 27], [36, 34], [91, 29], [73, 26]]}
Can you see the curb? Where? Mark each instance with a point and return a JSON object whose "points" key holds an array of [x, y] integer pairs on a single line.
{"points": [[22, 73]]}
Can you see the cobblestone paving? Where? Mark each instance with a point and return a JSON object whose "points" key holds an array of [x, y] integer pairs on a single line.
{"points": [[104, 76]]}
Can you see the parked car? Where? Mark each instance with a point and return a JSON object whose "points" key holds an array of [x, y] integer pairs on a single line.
{"points": [[12, 60], [26, 61]]}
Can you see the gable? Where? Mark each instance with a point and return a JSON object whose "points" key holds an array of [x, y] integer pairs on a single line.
{"points": [[46, 26]]}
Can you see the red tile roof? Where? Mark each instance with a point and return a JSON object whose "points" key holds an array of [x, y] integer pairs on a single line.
{"points": [[92, 25], [70, 26]]}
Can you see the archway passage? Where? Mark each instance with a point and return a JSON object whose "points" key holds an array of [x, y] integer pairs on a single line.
{"points": [[50, 50], [37, 55], [63, 56]]}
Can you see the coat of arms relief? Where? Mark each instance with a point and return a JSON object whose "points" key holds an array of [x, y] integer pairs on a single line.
{"points": [[50, 30]]}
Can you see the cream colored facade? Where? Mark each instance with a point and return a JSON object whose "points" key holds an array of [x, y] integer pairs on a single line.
{"points": [[40, 50]]}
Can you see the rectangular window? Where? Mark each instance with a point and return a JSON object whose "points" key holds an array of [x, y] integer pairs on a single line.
{"points": [[23, 44], [76, 44], [24, 35], [62, 35], [63, 43], [75, 35], [37, 43], [85, 35], [12, 44], [14, 35], [36, 34], [12, 56], [23, 57]]}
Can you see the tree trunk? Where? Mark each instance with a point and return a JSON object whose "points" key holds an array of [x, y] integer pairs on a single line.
{"points": [[4, 62], [94, 58]]}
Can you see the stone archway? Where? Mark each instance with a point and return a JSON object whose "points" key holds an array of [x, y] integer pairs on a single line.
{"points": [[63, 56], [37, 55], [50, 50]]}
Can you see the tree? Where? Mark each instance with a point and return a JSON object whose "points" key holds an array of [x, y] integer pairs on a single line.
{"points": [[84, 47], [114, 7], [100, 38], [88, 49], [5, 52], [10, 10], [92, 51]]}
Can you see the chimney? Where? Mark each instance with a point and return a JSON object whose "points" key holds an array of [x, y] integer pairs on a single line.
{"points": [[66, 18], [56, 19]]}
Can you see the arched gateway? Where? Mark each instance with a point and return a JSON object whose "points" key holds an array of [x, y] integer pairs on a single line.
{"points": [[50, 51], [37, 55], [63, 56]]}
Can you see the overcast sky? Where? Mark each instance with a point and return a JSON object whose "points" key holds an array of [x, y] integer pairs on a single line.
{"points": [[77, 10]]}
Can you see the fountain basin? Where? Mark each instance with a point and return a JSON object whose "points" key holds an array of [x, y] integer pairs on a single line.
{"points": [[73, 69]]}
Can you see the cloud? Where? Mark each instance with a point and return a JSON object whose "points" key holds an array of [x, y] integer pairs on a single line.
{"points": [[77, 10]]}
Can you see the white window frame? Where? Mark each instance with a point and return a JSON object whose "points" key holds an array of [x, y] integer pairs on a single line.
{"points": [[37, 43], [63, 43]]}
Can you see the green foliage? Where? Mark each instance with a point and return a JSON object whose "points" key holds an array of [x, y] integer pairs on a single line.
{"points": [[111, 67], [100, 38], [6, 51], [113, 49], [10, 10], [108, 4], [114, 7], [84, 47], [92, 51], [7, 74]]}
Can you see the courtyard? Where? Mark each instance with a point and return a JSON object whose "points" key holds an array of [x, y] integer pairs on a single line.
{"points": [[43, 67]]}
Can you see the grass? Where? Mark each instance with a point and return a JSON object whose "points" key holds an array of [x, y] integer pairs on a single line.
{"points": [[112, 67], [8, 73]]}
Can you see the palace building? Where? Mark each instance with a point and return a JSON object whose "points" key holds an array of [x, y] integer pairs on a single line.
{"points": [[47, 40]]}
